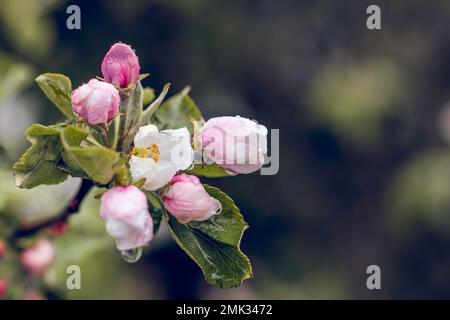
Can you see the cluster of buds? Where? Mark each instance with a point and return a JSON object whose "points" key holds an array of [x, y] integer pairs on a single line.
{"points": [[144, 154], [234, 143], [97, 101]]}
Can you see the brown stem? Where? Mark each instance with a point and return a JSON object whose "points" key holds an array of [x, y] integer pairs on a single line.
{"points": [[72, 208]]}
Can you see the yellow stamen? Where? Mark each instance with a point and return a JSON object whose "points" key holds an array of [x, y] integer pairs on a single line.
{"points": [[151, 152]]}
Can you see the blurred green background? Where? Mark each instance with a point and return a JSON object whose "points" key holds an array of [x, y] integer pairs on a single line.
{"points": [[364, 119]]}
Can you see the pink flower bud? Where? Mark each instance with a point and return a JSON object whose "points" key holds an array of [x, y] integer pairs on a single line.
{"points": [[234, 143], [3, 288], [125, 212], [96, 102], [2, 249], [121, 65], [187, 200], [39, 258]]}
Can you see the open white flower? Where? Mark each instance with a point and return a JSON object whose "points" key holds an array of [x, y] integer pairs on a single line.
{"points": [[158, 156]]}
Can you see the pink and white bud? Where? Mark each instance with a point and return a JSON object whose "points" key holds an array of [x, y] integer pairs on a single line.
{"points": [[121, 65], [187, 200], [3, 288], [127, 218], [96, 102], [39, 258], [234, 143]]}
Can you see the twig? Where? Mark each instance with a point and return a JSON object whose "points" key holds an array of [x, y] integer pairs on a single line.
{"points": [[72, 208]]}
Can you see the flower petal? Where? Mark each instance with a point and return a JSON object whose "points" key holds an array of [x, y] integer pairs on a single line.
{"points": [[214, 209], [175, 146], [146, 136]]}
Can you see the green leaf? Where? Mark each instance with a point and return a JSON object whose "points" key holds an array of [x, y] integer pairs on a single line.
{"points": [[208, 171], [214, 244], [38, 165], [156, 210], [99, 163], [142, 76], [176, 112], [72, 137], [132, 116], [57, 88], [122, 171], [147, 113], [134, 107], [229, 225], [113, 132]]}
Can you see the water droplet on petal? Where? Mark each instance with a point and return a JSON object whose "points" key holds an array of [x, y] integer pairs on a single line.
{"points": [[132, 255], [216, 206], [231, 173]]}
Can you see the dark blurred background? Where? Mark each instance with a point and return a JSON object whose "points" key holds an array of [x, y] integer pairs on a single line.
{"points": [[364, 119]]}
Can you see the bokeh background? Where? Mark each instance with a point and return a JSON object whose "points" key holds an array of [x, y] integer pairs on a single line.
{"points": [[364, 119]]}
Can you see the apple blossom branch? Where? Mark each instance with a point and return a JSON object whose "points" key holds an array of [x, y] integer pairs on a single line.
{"points": [[72, 208]]}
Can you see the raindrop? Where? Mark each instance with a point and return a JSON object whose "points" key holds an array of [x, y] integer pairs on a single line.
{"points": [[191, 166], [231, 173], [132, 255]]}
